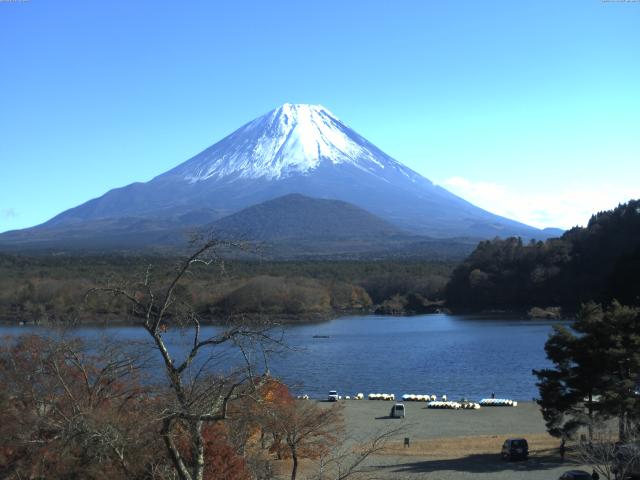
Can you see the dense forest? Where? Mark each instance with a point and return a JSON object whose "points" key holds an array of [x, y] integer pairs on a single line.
{"points": [[51, 289], [596, 263], [599, 262]]}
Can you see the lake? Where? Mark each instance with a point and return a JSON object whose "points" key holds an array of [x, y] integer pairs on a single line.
{"points": [[457, 355]]}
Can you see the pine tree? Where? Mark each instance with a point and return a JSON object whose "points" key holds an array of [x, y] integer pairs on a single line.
{"points": [[596, 371]]}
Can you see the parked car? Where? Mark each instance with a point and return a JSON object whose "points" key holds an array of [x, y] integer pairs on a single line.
{"points": [[333, 396], [576, 475], [397, 411], [515, 449]]}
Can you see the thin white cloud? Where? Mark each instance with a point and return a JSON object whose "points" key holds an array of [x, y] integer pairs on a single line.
{"points": [[8, 213], [564, 208]]}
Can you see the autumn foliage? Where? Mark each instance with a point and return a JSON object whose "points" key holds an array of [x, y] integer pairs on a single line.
{"points": [[66, 413]]}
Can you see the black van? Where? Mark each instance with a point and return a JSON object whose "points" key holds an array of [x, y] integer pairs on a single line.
{"points": [[515, 449]]}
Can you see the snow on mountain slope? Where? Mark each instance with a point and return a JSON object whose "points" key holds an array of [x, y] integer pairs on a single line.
{"points": [[292, 139], [294, 149]]}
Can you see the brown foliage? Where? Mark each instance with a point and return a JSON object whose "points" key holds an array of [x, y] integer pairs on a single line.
{"points": [[65, 413], [302, 429], [278, 295], [223, 462]]}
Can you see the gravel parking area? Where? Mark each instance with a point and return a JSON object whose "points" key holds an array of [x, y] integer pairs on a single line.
{"points": [[367, 416], [454, 444]]}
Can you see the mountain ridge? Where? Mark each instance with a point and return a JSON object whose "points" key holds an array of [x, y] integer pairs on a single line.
{"points": [[301, 149]]}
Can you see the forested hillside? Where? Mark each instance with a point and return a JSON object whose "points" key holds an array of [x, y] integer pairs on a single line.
{"points": [[599, 262], [51, 289]]}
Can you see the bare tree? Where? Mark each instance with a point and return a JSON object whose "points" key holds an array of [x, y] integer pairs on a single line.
{"points": [[68, 408], [347, 460], [196, 397], [608, 456], [302, 429]]}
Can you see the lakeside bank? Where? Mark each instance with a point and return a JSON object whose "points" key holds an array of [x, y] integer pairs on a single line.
{"points": [[452, 445]]}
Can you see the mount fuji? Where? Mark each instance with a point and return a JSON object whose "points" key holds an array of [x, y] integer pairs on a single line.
{"points": [[294, 149]]}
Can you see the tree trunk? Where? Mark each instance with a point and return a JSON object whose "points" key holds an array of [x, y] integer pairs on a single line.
{"points": [[294, 470], [622, 426], [590, 413], [174, 453], [198, 450], [276, 441]]}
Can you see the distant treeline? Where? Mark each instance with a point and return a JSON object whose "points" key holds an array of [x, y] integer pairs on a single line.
{"points": [[599, 262], [51, 289]]}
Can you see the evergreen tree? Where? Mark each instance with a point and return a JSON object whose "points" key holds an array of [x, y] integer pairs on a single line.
{"points": [[596, 371], [620, 340], [599, 262]]}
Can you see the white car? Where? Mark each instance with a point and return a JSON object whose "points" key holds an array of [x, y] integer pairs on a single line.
{"points": [[397, 411], [333, 396]]}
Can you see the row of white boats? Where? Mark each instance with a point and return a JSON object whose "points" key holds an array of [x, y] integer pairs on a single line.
{"points": [[431, 400], [410, 397], [454, 405], [498, 402]]}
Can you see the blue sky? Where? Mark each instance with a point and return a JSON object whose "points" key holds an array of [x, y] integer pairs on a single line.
{"points": [[528, 109]]}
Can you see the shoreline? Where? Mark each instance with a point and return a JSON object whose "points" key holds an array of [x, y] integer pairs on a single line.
{"points": [[309, 319], [283, 319]]}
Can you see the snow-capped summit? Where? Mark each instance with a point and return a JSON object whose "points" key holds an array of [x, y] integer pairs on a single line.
{"points": [[292, 139]]}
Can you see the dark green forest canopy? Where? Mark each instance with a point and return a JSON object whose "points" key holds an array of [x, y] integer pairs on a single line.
{"points": [[599, 262], [595, 374]]}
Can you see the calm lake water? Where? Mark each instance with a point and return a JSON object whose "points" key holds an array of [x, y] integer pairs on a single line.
{"points": [[456, 355]]}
